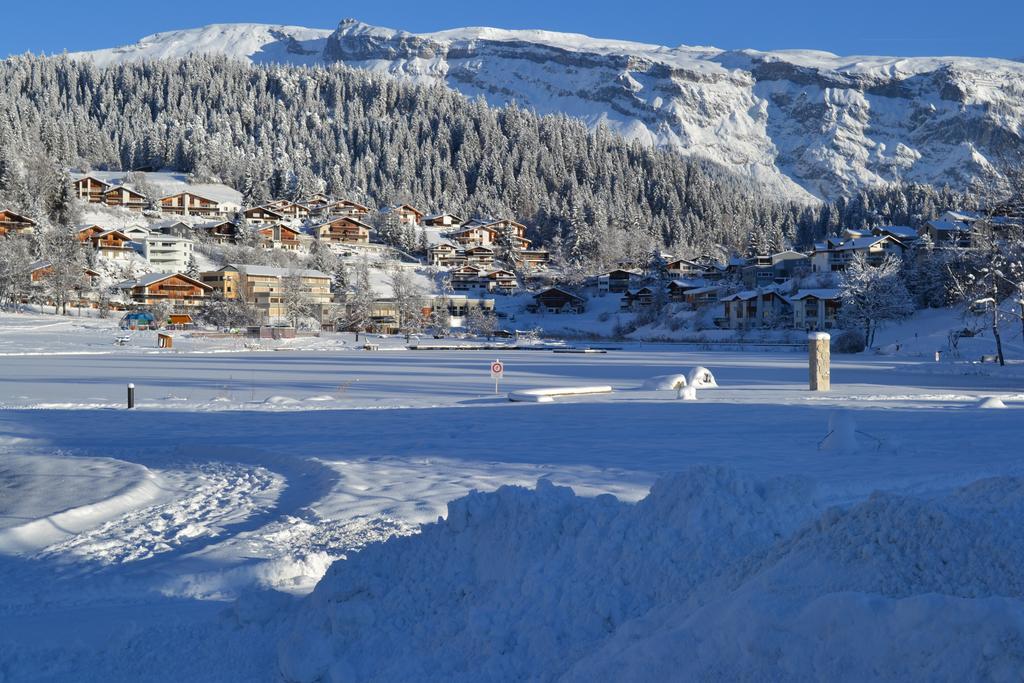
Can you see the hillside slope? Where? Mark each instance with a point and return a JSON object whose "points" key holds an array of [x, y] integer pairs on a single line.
{"points": [[807, 124]]}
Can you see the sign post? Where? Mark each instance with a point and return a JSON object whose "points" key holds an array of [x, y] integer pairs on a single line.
{"points": [[497, 372]]}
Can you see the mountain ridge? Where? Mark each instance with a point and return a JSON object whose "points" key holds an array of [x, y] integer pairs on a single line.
{"points": [[805, 124]]}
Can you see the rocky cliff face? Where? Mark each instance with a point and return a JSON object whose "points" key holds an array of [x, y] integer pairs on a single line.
{"points": [[806, 124]]}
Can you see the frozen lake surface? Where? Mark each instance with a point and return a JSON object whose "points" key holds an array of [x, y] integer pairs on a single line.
{"points": [[160, 543]]}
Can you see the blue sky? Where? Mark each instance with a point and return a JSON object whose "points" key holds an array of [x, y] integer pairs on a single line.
{"points": [[891, 27]]}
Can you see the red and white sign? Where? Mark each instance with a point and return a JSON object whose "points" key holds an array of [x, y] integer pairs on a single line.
{"points": [[497, 369]]}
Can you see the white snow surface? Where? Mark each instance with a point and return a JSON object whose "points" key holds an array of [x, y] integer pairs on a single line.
{"points": [[706, 540], [805, 123]]}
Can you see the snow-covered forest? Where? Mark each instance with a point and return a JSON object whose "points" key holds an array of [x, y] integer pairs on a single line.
{"points": [[276, 131]]}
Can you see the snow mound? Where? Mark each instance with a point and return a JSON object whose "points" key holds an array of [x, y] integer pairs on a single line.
{"points": [[665, 383], [280, 401], [519, 583], [701, 378], [711, 577], [991, 402]]}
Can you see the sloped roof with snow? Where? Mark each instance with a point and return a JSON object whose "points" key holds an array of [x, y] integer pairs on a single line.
{"points": [[271, 271]]}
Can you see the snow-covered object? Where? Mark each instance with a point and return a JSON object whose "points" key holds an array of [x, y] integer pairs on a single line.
{"points": [[989, 402], [550, 394], [664, 383], [701, 378], [842, 433], [687, 393], [802, 122], [711, 577]]}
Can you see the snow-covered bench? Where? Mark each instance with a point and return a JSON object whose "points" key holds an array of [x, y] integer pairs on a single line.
{"points": [[550, 394]]}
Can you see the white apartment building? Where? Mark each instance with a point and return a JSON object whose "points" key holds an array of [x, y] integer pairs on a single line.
{"points": [[168, 252]]}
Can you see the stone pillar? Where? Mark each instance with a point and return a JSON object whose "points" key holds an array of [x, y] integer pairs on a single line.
{"points": [[819, 361]]}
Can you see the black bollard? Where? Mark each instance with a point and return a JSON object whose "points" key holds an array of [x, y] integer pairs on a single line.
{"points": [[131, 396]]}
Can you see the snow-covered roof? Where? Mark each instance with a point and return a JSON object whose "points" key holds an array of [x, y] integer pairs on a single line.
{"points": [[707, 289], [898, 231], [829, 293], [942, 225], [689, 284], [865, 243], [749, 294], [271, 271], [153, 278]]}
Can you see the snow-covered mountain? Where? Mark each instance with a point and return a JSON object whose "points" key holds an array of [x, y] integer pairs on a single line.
{"points": [[802, 122]]}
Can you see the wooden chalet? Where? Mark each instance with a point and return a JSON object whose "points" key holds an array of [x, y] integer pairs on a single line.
{"points": [[87, 232], [38, 270], [15, 224], [677, 289], [263, 215], [281, 236], [480, 256], [112, 244], [189, 204], [446, 255], [90, 189], [121, 195], [557, 300], [474, 235], [222, 232], [290, 210], [407, 215], [637, 298], [347, 207], [465, 278], [618, 281], [181, 290], [443, 220], [343, 230], [533, 258], [501, 281], [755, 308]]}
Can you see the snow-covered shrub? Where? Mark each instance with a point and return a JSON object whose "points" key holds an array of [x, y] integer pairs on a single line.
{"points": [[848, 342]]}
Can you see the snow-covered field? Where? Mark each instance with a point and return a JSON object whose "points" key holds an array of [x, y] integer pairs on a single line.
{"points": [[182, 540]]}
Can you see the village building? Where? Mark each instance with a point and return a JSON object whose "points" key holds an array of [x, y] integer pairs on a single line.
{"points": [[702, 296], [479, 256], [635, 299], [281, 236], [263, 287], [168, 251], [443, 220], [500, 281], [180, 290], [764, 307], [15, 224], [90, 189], [109, 244], [815, 309], [137, 233], [316, 204], [263, 215], [465, 278], [677, 289], [189, 204], [557, 300], [446, 255], [406, 214], [618, 281], [681, 268], [122, 195], [951, 230], [289, 210], [347, 207], [831, 258], [343, 230], [219, 232]]}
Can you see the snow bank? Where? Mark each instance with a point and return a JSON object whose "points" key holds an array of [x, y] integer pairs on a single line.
{"points": [[550, 394], [518, 583], [712, 576]]}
